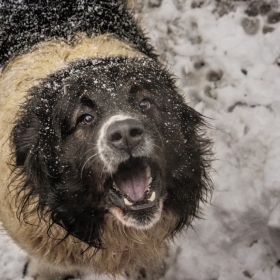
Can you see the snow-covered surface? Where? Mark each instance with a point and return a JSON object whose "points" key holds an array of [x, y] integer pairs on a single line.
{"points": [[229, 68]]}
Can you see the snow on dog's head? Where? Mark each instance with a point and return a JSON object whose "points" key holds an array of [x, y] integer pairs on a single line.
{"points": [[111, 137]]}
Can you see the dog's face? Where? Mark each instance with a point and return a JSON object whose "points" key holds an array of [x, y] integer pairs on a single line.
{"points": [[111, 137]]}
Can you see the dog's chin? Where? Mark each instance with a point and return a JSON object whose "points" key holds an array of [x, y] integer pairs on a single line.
{"points": [[142, 221], [135, 193]]}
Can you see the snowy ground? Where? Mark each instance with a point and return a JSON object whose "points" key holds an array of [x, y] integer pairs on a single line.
{"points": [[227, 56]]}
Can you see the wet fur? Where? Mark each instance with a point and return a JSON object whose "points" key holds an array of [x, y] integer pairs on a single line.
{"points": [[34, 197]]}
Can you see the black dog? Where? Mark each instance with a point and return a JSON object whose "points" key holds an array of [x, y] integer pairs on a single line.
{"points": [[108, 162]]}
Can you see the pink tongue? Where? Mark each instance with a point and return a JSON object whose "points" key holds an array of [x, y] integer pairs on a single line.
{"points": [[133, 183]]}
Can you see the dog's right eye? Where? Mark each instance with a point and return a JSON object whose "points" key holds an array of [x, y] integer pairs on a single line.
{"points": [[145, 104], [86, 119]]}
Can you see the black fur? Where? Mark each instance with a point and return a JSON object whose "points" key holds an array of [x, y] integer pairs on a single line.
{"points": [[52, 158], [28, 22]]}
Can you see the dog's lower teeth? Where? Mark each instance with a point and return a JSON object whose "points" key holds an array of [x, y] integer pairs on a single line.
{"points": [[126, 202], [153, 197]]}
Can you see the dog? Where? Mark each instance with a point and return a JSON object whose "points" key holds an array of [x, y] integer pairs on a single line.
{"points": [[102, 161]]}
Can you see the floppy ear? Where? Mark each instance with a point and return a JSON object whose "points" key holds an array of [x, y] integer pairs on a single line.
{"points": [[33, 154], [32, 135], [194, 127], [191, 116], [25, 138], [192, 180]]}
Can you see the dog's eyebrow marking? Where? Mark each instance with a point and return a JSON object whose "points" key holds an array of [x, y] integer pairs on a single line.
{"points": [[87, 101], [135, 88]]}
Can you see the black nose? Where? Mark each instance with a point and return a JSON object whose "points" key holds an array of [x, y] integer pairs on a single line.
{"points": [[126, 134]]}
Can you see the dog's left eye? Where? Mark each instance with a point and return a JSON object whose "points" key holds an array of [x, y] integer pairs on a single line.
{"points": [[86, 119], [145, 104]]}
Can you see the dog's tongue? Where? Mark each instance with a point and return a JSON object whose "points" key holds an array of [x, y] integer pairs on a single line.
{"points": [[132, 182]]}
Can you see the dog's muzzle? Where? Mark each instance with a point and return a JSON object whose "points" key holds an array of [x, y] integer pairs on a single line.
{"points": [[125, 149]]}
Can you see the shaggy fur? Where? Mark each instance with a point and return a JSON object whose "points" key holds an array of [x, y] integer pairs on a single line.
{"points": [[59, 98]]}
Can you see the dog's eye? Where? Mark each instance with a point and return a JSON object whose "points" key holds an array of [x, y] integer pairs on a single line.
{"points": [[86, 119], [145, 104]]}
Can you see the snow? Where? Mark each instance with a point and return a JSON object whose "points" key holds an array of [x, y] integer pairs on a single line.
{"points": [[229, 71]]}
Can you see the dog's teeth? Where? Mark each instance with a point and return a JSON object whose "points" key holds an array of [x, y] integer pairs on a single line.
{"points": [[153, 197], [150, 181], [126, 202]]}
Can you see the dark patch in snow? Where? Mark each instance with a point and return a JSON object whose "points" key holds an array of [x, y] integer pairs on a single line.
{"points": [[250, 25], [179, 4], [199, 64], [214, 76], [253, 9], [154, 3], [223, 7], [278, 61], [244, 71], [237, 104], [69, 277], [267, 29], [24, 273], [265, 8], [244, 104], [209, 92], [247, 274], [197, 4], [273, 17], [196, 40]]}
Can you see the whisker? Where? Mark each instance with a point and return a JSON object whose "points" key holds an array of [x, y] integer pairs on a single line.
{"points": [[90, 150], [91, 157], [157, 146], [94, 159]]}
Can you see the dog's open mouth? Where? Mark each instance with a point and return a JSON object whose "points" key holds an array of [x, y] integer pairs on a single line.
{"points": [[132, 185]]}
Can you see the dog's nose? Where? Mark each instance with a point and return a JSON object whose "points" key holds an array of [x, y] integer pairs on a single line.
{"points": [[125, 134]]}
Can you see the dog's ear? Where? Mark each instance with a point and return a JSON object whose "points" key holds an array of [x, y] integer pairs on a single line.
{"points": [[197, 142], [25, 138], [190, 116], [30, 138], [34, 159], [190, 176]]}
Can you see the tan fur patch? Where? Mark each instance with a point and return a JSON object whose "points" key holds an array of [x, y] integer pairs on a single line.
{"points": [[129, 4], [124, 245]]}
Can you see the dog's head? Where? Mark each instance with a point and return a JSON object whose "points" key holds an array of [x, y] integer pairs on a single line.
{"points": [[110, 137]]}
